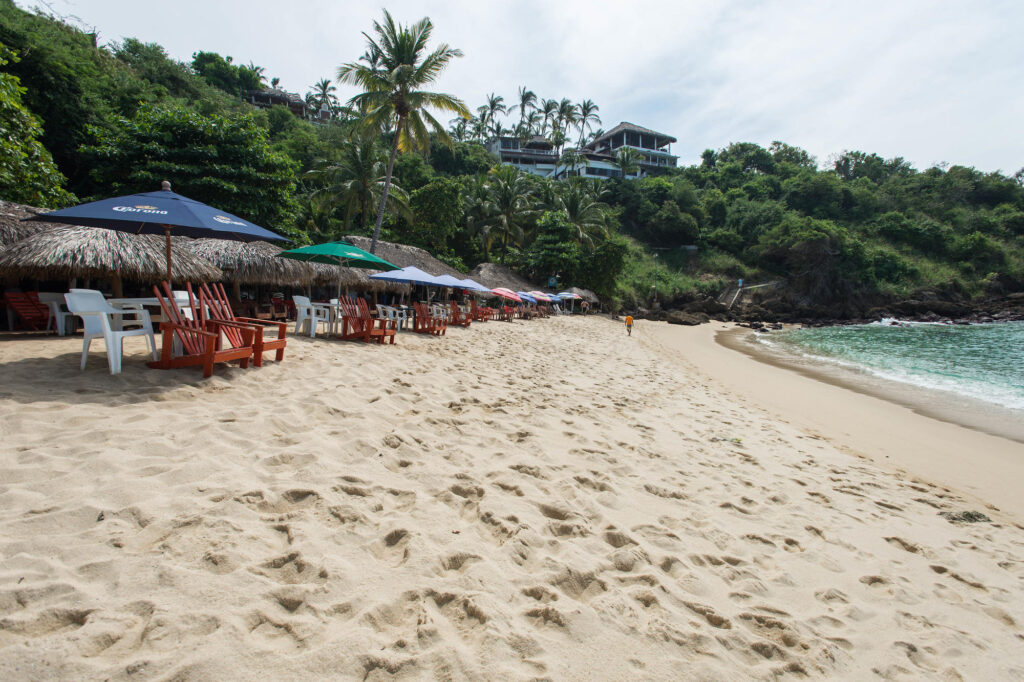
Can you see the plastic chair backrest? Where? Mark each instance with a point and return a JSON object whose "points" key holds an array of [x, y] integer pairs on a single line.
{"points": [[90, 302], [302, 301]]}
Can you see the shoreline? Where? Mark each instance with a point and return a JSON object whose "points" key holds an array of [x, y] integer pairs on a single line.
{"points": [[944, 406], [981, 465]]}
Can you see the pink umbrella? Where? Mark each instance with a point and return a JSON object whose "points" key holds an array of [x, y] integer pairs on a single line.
{"points": [[506, 293], [540, 296]]}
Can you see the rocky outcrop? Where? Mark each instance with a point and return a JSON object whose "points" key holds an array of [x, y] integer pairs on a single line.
{"points": [[686, 318]]}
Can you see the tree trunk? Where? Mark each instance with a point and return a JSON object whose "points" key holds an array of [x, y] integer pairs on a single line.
{"points": [[387, 188]]}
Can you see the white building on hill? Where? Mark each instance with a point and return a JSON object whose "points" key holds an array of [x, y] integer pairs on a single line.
{"points": [[538, 155]]}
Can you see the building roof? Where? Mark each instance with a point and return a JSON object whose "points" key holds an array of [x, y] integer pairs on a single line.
{"points": [[626, 126], [277, 94]]}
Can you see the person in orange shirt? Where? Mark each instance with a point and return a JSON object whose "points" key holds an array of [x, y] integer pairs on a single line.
{"points": [[629, 325]]}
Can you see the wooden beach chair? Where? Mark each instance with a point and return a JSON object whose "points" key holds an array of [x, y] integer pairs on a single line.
{"points": [[458, 317], [427, 323], [200, 340], [357, 324], [215, 299], [480, 313], [31, 312]]}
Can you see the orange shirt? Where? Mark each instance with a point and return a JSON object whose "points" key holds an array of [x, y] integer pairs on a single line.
{"points": [[629, 320]]}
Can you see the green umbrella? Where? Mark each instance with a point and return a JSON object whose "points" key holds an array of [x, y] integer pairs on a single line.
{"points": [[340, 253]]}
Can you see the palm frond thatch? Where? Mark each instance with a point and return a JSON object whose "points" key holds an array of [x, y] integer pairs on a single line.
{"points": [[72, 251], [354, 278], [12, 230], [252, 262], [493, 275], [404, 255]]}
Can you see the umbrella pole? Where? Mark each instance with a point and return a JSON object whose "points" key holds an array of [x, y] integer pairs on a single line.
{"points": [[167, 232]]}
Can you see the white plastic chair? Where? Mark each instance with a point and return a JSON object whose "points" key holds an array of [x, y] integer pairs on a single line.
{"points": [[309, 315], [96, 316], [58, 318]]}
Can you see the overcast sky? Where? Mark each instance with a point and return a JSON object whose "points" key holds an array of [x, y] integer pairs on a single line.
{"points": [[927, 80]]}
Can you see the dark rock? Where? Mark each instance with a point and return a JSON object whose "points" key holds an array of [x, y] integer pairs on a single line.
{"points": [[965, 517], [690, 319]]}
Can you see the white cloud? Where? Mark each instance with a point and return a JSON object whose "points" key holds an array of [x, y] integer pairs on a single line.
{"points": [[929, 81]]}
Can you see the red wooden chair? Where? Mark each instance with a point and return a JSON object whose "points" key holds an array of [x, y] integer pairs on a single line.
{"points": [[31, 313], [427, 323], [200, 339], [480, 313], [280, 309], [458, 317], [215, 299], [358, 325]]}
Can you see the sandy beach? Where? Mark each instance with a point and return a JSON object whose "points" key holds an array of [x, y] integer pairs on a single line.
{"points": [[545, 499]]}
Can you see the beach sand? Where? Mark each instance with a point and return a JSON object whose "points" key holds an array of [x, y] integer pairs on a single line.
{"points": [[544, 499]]}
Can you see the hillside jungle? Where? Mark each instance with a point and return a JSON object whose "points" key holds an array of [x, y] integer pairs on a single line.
{"points": [[845, 237]]}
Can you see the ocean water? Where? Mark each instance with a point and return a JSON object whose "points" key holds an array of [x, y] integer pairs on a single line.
{"points": [[980, 362]]}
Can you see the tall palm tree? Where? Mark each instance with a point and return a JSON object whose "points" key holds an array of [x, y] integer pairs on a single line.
{"points": [[357, 181], [565, 117], [508, 205], [527, 103], [587, 116], [391, 74], [495, 105], [628, 160], [479, 128], [549, 110], [324, 93], [274, 82]]}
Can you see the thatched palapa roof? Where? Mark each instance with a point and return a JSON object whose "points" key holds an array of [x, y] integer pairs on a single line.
{"points": [[404, 255], [12, 229], [493, 275], [71, 251], [251, 262]]}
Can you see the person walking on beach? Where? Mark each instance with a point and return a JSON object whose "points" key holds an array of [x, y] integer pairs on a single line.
{"points": [[629, 325]]}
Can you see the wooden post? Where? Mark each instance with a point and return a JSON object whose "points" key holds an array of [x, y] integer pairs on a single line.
{"points": [[236, 290], [167, 232], [116, 286]]}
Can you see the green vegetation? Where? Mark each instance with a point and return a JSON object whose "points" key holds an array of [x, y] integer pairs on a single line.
{"points": [[86, 120]]}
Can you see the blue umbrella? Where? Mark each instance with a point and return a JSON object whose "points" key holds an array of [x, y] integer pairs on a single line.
{"points": [[408, 275], [475, 286], [449, 281], [526, 297], [159, 213]]}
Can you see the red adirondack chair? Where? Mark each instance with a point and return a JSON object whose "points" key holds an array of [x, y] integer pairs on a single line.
{"points": [[480, 313], [200, 339], [31, 313], [358, 325], [215, 299], [458, 317], [427, 323]]}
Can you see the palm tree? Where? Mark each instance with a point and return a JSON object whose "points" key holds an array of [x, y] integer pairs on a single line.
{"points": [[357, 181], [459, 129], [573, 158], [548, 109], [476, 212], [583, 212], [508, 205], [258, 71], [391, 74], [527, 103], [587, 115], [495, 105], [628, 160], [595, 135], [274, 82], [479, 128], [324, 93], [565, 117]]}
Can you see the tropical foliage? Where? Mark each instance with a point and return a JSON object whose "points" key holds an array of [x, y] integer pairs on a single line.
{"points": [[850, 232]]}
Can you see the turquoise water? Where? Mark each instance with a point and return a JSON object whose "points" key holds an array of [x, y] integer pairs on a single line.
{"points": [[982, 362]]}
